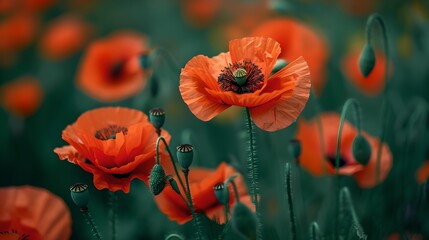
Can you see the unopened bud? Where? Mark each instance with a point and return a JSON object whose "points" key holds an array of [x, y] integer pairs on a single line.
{"points": [[361, 150], [157, 179], [367, 60], [244, 221]]}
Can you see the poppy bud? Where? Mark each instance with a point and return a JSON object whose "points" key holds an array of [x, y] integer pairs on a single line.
{"points": [[244, 221], [367, 60], [146, 60], [173, 184], [157, 179], [157, 117], [221, 195], [80, 194], [295, 148], [185, 155], [280, 64], [361, 150], [240, 76]]}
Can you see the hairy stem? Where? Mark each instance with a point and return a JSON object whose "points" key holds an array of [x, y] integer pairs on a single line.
{"points": [[90, 221], [290, 200]]}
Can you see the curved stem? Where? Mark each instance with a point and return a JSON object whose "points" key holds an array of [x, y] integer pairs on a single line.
{"points": [[191, 205], [349, 103], [91, 223], [174, 236], [234, 186], [375, 18], [253, 172], [166, 55], [171, 158]]}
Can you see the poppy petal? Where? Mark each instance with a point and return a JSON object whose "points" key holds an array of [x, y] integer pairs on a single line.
{"points": [[261, 51], [197, 76], [281, 112]]}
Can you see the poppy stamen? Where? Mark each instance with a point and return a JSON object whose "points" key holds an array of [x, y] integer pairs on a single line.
{"points": [[241, 77], [110, 132]]}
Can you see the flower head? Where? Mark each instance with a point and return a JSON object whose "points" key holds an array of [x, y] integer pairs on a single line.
{"points": [[64, 37], [297, 39], [371, 85], [21, 97], [17, 32], [202, 181], [423, 172], [115, 144], [110, 69], [242, 77], [28, 212], [312, 160]]}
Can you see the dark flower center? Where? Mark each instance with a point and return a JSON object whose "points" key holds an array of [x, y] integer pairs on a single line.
{"points": [[14, 234], [110, 132], [116, 70], [241, 77], [331, 160]]}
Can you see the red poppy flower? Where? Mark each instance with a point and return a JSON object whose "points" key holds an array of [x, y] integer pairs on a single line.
{"points": [[242, 77], [21, 97], [28, 212], [297, 39], [312, 160], [201, 182], [37, 5], [115, 144], [374, 83], [110, 70], [201, 12], [64, 37], [423, 172], [17, 32]]}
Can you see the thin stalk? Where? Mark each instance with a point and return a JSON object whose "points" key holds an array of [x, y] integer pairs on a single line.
{"points": [[113, 199], [90, 221], [171, 158], [376, 18], [290, 200], [191, 205], [253, 172], [356, 107]]}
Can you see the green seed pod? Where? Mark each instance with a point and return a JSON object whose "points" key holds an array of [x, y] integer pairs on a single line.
{"points": [[185, 155], [157, 179], [280, 64], [244, 221], [240, 76], [295, 148], [361, 150], [173, 184], [146, 60], [157, 117], [367, 60], [80, 194], [220, 193]]}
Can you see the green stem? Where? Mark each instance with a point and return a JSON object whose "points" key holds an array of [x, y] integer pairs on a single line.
{"points": [[230, 180], [171, 158], [191, 205], [253, 172], [349, 103], [375, 18], [90, 221], [314, 231], [113, 198], [174, 237], [290, 200]]}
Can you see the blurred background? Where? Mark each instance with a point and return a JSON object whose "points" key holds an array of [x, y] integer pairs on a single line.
{"points": [[43, 43]]}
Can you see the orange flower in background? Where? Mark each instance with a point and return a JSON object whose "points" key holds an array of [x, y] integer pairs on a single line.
{"points": [[110, 69], [312, 160], [423, 172], [28, 212], [201, 182], [374, 83], [37, 5], [296, 39], [63, 37], [201, 12], [21, 97], [115, 144], [242, 77], [17, 32]]}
